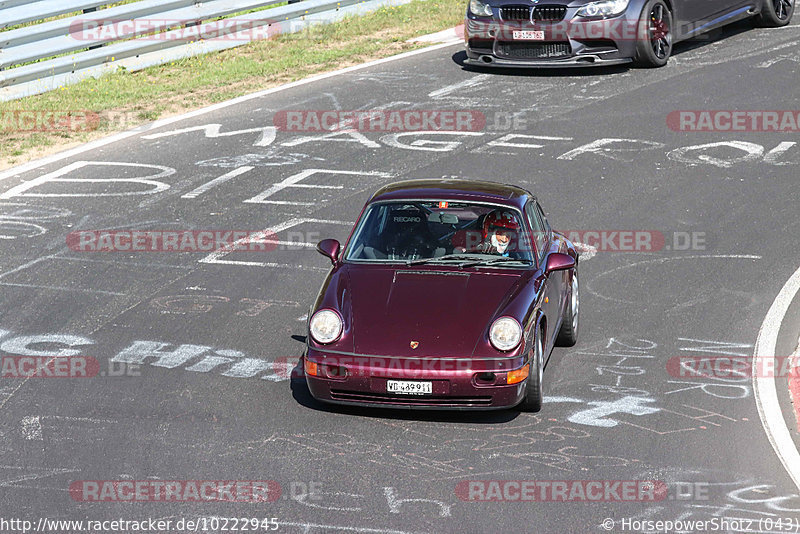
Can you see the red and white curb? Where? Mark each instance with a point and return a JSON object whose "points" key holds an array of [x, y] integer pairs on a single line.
{"points": [[794, 384], [764, 387]]}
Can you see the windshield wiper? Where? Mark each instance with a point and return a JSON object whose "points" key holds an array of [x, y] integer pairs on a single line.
{"points": [[501, 259], [439, 258]]}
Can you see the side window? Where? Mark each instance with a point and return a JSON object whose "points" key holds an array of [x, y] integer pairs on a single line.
{"points": [[539, 232], [540, 211]]}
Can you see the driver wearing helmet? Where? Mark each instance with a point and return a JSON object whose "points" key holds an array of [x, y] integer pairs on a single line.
{"points": [[500, 233]]}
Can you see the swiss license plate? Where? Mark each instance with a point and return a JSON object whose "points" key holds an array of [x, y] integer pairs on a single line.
{"points": [[407, 387], [527, 35]]}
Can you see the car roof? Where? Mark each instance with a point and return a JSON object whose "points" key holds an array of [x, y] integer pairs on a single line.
{"points": [[454, 189]]}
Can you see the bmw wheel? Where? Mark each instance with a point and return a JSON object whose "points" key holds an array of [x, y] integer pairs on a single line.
{"points": [[775, 13], [568, 333], [654, 35], [532, 402]]}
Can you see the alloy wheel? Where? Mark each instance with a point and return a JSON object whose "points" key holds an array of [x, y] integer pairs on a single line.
{"points": [[575, 302], [782, 8], [660, 37]]}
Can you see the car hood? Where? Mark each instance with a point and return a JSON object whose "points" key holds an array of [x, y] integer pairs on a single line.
{"points": [[447, 312]]}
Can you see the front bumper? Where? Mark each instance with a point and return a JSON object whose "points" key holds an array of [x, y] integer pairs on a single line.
{"points": [[583, 60], [455, 382], [567, 43]]}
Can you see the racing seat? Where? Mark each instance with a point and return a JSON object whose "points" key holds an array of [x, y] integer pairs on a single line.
{"points": [[408, 235]]}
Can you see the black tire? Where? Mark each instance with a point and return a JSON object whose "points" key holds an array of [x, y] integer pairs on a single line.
{"points": [[654, 35], [568, 333], [532, 402], [775, 13]]}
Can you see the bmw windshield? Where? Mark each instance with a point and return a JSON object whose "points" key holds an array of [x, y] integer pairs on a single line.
{"points": [[417, 232]]}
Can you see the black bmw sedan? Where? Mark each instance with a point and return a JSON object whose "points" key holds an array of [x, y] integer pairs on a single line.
{"points": [[553, 33]]}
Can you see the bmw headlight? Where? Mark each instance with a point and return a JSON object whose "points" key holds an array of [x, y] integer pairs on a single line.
{"points": [[606, 8], [476, 7], [505, 333], [325, 326]]}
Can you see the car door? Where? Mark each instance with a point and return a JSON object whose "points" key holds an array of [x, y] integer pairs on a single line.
{"points": [[693, 17], [556, 246], [543, 243], [688, 15]]}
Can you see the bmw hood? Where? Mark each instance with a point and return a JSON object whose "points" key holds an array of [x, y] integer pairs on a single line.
{"points": [[443, 312]]}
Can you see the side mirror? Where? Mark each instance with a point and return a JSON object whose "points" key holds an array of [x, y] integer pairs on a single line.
{"points": [[329, 248], [559, 262]]}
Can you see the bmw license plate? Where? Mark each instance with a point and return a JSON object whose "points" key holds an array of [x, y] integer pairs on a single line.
{"points": [[407, 387], [526, 35]]}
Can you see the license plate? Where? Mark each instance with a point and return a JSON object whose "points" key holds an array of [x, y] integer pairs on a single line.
{"points": [[526, 35], [406, 387]]}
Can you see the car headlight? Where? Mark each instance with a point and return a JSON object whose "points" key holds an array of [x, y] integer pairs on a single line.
{"points": [[505, 333], [476, 7], [325, 326], [606, 8]]}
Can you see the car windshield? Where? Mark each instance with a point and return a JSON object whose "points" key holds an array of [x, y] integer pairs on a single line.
{"points": [[417, 232]]}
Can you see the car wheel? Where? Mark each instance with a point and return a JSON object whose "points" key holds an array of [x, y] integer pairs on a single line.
{"points": [[775, 13], [568, 333], [532, 402], [654, 35]]}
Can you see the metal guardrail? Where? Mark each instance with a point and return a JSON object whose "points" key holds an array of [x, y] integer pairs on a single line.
{"points": [[19, 12], [45, 56]]}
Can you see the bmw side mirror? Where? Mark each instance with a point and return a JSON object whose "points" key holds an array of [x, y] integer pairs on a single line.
{"points": [[559, 262], [329, 248]]}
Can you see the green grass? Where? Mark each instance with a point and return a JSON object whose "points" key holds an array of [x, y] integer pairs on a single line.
{"points": [[190, 83]]}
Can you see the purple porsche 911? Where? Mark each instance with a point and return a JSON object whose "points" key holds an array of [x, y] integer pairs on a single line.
{"points": [[448, 294]]}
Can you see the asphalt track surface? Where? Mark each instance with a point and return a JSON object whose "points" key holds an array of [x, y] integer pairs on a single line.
{"points": [[204, 417]]}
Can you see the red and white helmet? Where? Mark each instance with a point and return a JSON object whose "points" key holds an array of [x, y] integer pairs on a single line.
{"points": [[500, 220]]}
